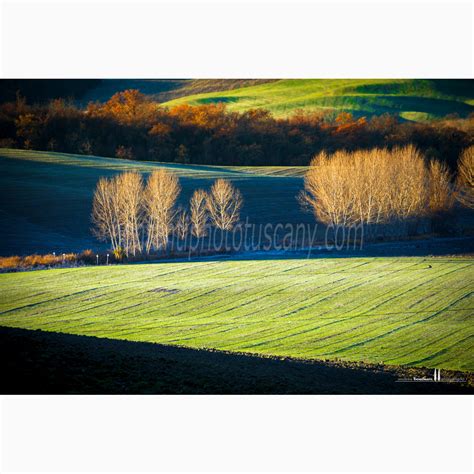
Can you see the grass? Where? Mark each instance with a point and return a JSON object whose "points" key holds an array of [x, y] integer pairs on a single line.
{"points": [[63, 184], [412, 99], [161, 90], [398, 311], [115, 164]]}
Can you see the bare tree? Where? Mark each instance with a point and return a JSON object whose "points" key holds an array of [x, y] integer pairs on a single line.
{"points": [[465, 181], [224, 203], [440, 195], [198, 213], [117, 212], [104, 212], [407, 183], [130, 209], [161, 193], [181, 226], [328, 191]]}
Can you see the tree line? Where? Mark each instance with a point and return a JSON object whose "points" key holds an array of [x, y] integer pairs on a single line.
{"points": [[139, 217], [380, 189], [129, 126]]}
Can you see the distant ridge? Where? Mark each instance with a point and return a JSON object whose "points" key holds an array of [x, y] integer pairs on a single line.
{"points": [[411, 99]]}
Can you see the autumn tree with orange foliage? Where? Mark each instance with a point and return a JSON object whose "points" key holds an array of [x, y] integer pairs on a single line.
{"points": [[130, 125], [124, 106]]}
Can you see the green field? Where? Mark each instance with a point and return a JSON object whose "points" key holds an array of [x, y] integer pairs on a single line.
{"points": [[46, 198], [411, 99], [409, 311]]}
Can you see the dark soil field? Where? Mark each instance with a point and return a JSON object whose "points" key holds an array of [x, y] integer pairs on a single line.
{"points": [[37, 362]]}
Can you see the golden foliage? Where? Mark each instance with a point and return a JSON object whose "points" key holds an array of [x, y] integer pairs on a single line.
{"points": [[440, 193], [465, 180], [378, 186]]}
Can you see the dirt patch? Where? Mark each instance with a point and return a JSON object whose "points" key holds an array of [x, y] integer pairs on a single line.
{"points": [[165, 290]]}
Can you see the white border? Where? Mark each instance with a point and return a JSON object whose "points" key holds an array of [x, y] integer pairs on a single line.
{"points": [[224, 39], [237, 433], [230, 39]]}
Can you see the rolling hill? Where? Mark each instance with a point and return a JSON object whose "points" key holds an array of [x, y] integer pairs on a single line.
{"points": [[163, 90], [396, 311], [46, 198], [411, 99], [85, 90]]}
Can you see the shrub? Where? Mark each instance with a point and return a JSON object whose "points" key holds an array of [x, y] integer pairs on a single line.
{"points": [[10, 262], [7, 143], [119, 254], [87, 257], [125, 153], [37, 260], [32, 261]]}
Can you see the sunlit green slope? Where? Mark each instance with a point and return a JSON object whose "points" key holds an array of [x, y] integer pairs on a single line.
{"points": [[412, 99]]}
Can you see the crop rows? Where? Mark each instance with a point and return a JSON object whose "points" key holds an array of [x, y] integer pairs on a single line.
{"points": [[414, 311]]}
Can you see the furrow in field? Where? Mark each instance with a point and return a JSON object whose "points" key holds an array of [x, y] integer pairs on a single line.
{"points": [[393, 310]]}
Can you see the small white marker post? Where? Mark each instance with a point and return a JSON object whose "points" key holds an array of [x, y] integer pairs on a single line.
{"points": [[64, 258], [97, 259], [107, 259]]}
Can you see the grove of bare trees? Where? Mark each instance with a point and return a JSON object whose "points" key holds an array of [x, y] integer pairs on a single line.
{"points": [[134, 217], [378, 186], [137, 217]]}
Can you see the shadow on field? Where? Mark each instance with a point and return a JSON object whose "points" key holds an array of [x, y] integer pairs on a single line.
{"points": [[37, 362]]}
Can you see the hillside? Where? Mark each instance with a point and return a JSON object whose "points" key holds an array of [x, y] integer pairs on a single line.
{"points": [[63, 184], [411, 99], [162, 90], [85, 90], [411, 311], [46, 197]]}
